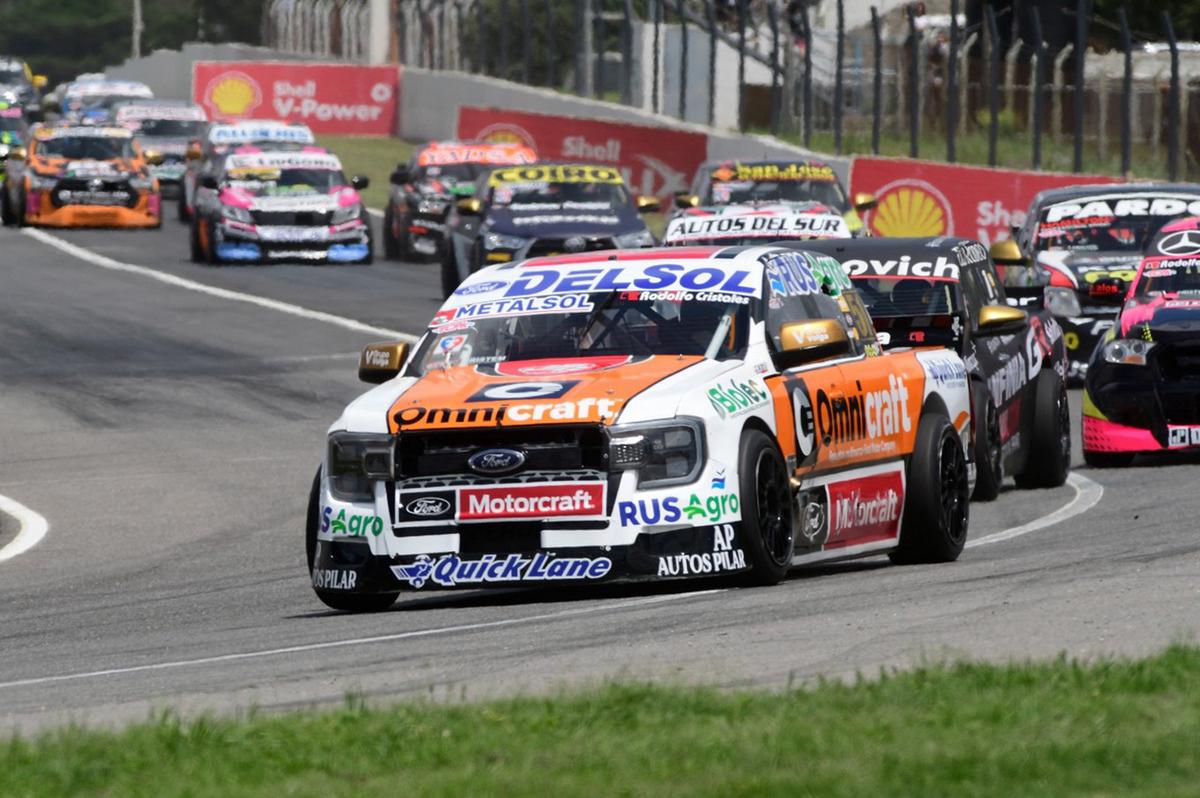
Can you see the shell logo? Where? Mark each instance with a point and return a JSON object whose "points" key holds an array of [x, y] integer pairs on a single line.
{"points": [[507, 133], [233, 94], [911, 208]]}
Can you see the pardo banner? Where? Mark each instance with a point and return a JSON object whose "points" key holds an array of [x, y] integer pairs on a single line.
{"points": [[654, 160], [329, 98], [922, 198]]}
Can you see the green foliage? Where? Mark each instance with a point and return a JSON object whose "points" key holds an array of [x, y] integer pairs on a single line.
{"points": [[1145, 19], [1059, 728]]}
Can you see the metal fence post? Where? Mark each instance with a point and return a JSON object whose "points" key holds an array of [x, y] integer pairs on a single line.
{"points": [[627, 54], [773, 20], [1172, 101], [877, 86], [683, 59], [710, 14], [504, 18], [741, 18], [481, 36], [527, 35], [838, 100], [1082, 9], [806, 137], [551, 50], [914, 88], [402, 36], [657, 38], [1126, 94], [1039, 56], [583, 45], [952, 86], [994, 81]]}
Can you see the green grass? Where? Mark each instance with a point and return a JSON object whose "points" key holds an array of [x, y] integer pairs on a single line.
{"points": [[1114, 728], [372, 156]]}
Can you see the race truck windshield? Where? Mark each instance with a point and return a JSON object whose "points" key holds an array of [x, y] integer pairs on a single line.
{"points": [[750, 192], [450, 175], [538, 196], [613, 323], [275, 182], [100, 148], [12, 123], [892, 298], [171, 128], [1170, 277], [11, 75], [1098, 233]]}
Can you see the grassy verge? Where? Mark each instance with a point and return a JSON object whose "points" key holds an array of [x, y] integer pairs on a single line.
{"points": [[1059, 728], [371, 156]]}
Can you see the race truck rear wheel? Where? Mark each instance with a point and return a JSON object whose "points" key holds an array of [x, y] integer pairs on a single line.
{"points": [[181, 207], [934, 525], [391, 246], [768, 536], [343, 602], [989, 463], [449, 271], [1049, 459]]}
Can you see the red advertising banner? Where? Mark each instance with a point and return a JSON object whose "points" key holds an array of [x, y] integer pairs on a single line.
{"points": [[654, 160], [329, 98], [921, 198]]}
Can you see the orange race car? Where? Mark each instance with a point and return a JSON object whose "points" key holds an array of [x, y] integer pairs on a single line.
{"points": [[81, 176]]}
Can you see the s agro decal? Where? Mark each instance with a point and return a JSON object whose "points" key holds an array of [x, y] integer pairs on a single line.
{"points": [[714, 507], [726, 556], [350, 524], [733, 398], [450, 570]]}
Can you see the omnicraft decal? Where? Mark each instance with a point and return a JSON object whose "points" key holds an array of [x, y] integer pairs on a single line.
{"points": [[453, 571]]}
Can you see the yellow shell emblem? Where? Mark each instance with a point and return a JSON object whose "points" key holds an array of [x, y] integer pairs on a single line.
{"points": [[909, 211], [234, 94], [505, 133]]}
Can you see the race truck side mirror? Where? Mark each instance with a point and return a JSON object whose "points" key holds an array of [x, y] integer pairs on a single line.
{"points": [[646, 204], [686, 200], [209, 181], [864, 201], [194, 153], [40, 81], [803, 342], [17, 153], [153, 157], [1108, 291], [359, 182], [1002, 320], [399, 177], [381, 362], [1006, 253], [471, 206]]}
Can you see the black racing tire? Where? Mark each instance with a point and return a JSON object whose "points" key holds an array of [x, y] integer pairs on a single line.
{"points": [[336, 600], [21, 210], [6, 215], [197, 252], [989, 459], [766, 505], [181, 208], [936, 510], [1108, 459], [391, 246], [449, 273], [1049, 459], [367, 261], [210, 248]]}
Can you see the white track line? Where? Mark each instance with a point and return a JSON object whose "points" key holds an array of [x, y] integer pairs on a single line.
{"points": [[105, 262], [357, 641], [1087, 493], [375, 212], [33, 528]]}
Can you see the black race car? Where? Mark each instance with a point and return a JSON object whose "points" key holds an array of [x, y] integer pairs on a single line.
{"points": [[414, 221], [1080, 234], [1144, 378], [521, 212], [946, 292]]}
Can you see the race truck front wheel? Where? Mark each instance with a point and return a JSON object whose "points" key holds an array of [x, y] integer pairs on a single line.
{"points": [[343, 602], [391, 246], [449, 271], [768, 537], [1049, 458], [989, 463], [934, 525], [6, 214]]}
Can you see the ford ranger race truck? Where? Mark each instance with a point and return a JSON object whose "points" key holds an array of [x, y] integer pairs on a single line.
{"points": [[639, 415]]}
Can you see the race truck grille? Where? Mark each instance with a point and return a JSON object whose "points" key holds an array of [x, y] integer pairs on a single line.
{"points": [[75, 191], [557, 246], [1178, 361], [556, 448], [292, 218]]}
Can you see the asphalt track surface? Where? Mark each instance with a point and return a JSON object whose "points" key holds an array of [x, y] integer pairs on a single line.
{"points": [[169, 436]]}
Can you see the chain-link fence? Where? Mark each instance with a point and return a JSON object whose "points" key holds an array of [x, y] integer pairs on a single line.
{"points": [[975, 83], [322, 28]]}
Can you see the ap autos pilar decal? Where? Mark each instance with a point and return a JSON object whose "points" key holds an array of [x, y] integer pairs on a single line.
{"points": [[451, 570], [726, 555]]}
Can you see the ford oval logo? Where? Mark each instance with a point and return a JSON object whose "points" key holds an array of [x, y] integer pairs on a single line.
{"points": [[481, 288], [496, 461], [428, 506]]}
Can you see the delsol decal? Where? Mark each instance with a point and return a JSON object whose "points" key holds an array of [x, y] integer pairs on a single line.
{"points": [[637, 151]]}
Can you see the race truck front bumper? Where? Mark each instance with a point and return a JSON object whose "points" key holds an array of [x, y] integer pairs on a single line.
{"points": [[1081, 334], [1140, 408], [117, 206], [237, 241]]}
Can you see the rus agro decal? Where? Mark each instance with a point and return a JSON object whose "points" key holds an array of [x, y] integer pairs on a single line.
{"points": [[450, 570]]}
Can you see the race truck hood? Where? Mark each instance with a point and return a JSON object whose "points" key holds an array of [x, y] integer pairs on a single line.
{"points": [[1161, 316], [1072, 269], [564, 219], [531, 392], [300, 203]]}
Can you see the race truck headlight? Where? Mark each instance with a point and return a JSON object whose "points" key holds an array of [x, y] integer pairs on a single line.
{"points": [[642, 238], [663, 453], [356, 460], [432, 207], [42, 183], [1062, 301], [501, 241], [1127, 351], [346, 214], [237, 214]]}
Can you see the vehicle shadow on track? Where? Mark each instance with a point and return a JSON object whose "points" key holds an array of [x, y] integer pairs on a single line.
{"points": [[1152, 460]]}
